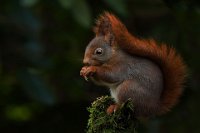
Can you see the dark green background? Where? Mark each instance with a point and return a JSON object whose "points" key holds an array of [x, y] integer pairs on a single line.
{"points": [[42, 44]]}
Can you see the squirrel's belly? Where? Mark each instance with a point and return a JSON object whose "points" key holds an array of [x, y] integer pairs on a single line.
{"points": [[103, 83], [112, 86]]}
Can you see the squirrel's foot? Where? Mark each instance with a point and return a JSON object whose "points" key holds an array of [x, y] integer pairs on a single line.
{"points": [[87, 71], [112, 108]]}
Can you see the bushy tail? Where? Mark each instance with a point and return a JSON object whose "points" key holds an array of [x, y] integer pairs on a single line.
{"points": [[171, 64]]}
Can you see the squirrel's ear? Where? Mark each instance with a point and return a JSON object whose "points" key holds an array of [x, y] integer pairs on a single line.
{"points": [[109, 26], [104, 27], [109, 38]]}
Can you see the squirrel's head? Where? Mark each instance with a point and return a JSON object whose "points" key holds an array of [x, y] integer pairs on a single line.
{"points": [[101, 48], [98, 51]]}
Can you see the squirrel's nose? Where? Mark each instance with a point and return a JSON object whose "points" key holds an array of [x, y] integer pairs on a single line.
{"points": [[86, 61]]}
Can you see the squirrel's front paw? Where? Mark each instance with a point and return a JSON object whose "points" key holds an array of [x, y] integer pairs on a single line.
{"points": [[87, 71]]}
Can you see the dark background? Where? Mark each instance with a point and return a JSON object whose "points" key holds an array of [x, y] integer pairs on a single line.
{"points": [[42, 44]]}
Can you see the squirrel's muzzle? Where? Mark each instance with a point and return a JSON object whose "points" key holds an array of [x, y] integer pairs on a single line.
{"points": [[86, 62]]}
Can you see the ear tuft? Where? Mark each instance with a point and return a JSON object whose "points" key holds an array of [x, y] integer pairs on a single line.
{"points": [[109, 26], [103, 25]]}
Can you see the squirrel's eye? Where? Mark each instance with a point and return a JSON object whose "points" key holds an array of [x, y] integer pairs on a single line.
{"points": [[98, 51]]}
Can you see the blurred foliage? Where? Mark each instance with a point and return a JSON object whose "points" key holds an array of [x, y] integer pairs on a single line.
{"points": [[41, 48]]}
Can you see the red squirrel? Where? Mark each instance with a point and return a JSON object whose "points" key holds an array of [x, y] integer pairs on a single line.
{"points": [[151, 75]]}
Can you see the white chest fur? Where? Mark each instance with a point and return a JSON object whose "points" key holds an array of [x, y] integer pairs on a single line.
{"points": [[114, 93]]}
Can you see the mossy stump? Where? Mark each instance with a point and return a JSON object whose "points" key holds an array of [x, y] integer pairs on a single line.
{"points": [[121, 121]]}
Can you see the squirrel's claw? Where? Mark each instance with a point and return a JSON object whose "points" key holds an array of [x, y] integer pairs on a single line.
{"points": [[86, 78]]}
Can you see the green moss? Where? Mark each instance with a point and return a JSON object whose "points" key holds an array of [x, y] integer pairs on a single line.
{"points": [[121, 121]]}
